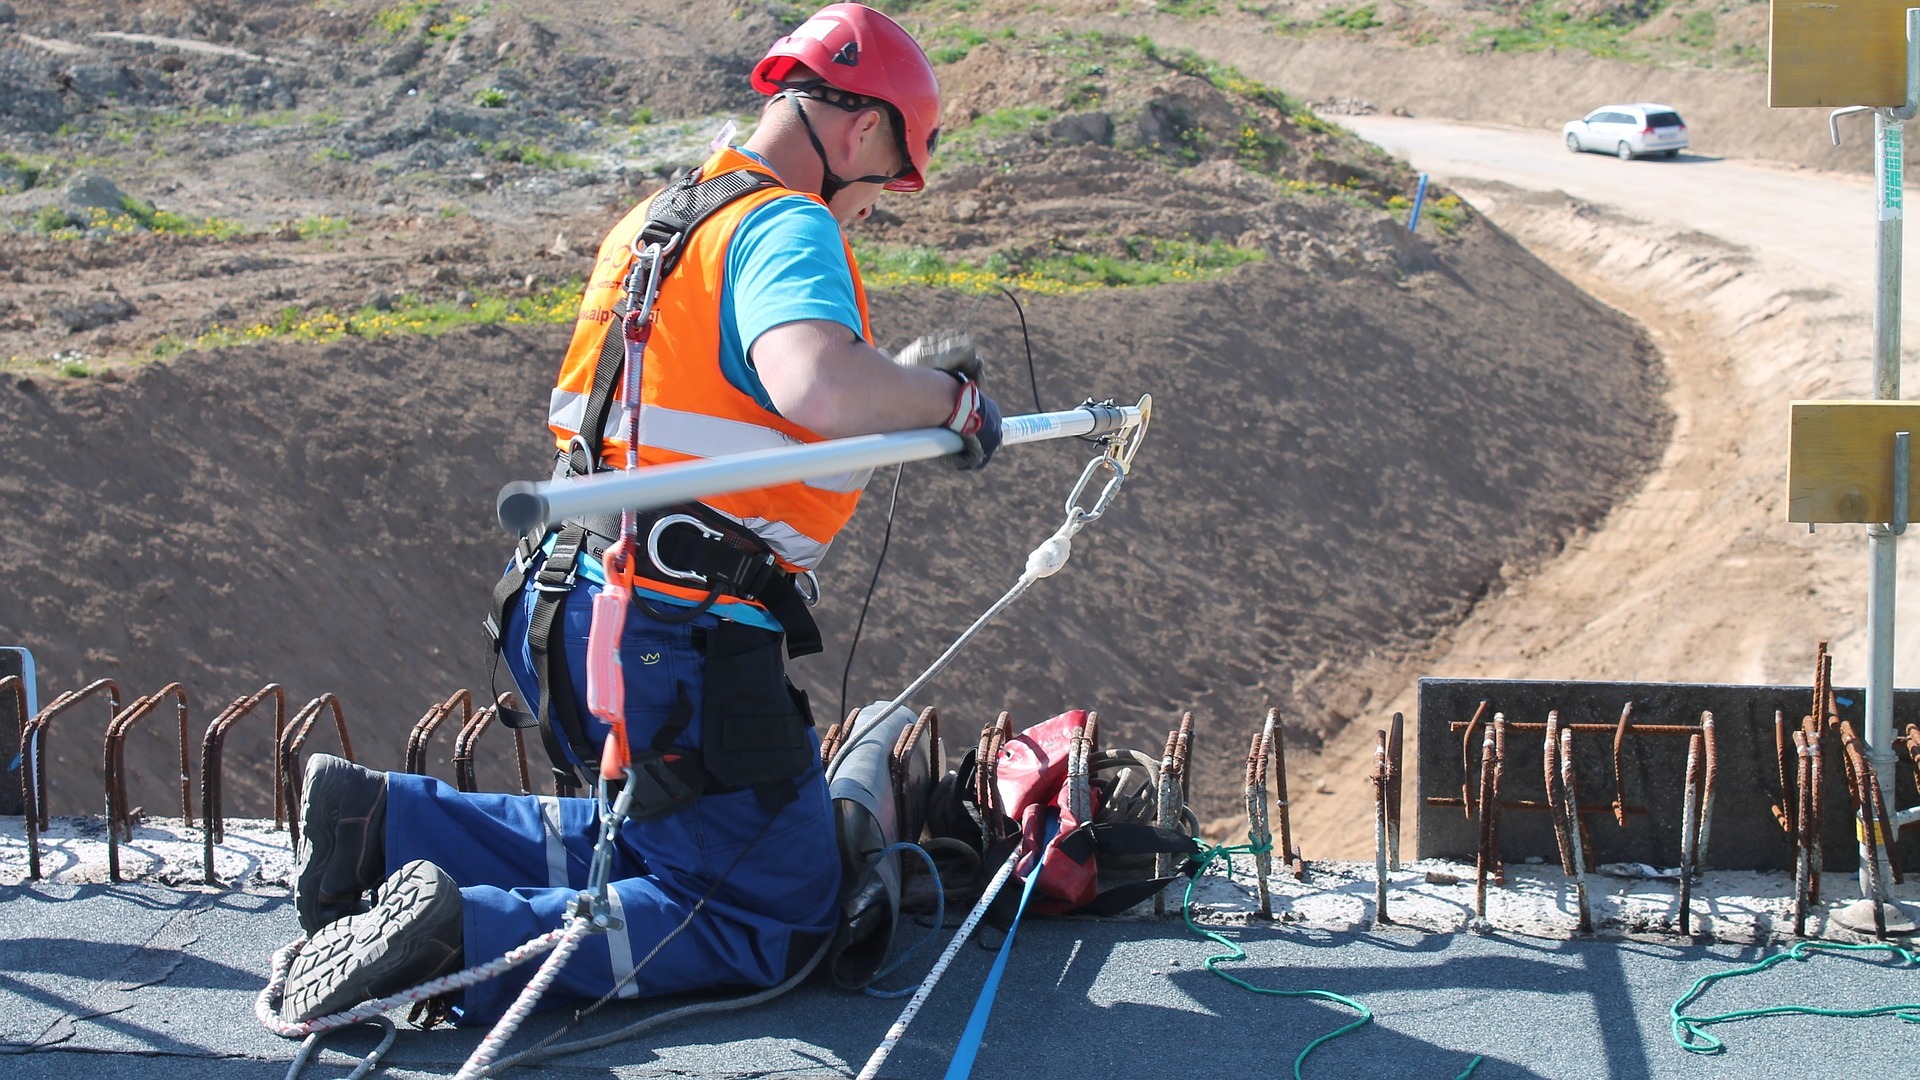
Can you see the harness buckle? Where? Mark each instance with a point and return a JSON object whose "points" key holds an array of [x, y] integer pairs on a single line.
{"points": [[653, 545], [807, 584]]}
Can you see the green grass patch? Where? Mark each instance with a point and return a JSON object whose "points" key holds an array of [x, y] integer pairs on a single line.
{"points": [[491, 98], [1544, 24], [19, 174], [1363, 17], [951, 44], [134, 216], [410, 315], [537, 157], [321, 226], [1148, 262]]}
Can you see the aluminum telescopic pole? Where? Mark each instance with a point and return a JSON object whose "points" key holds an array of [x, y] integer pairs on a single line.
{"points": [[1883, 539], [524, 506]]}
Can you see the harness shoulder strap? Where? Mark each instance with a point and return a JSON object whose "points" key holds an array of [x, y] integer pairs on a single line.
{"points": [[675, 212]]}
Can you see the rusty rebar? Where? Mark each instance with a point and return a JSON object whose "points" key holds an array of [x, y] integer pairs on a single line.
{"points": [[114, 751], [1078, 790], [1499, 784], [1277, 766], [212, 783], [1466, 758], [1380, 916], [422, 733], [1710, 770], [1803, 888], [1550, 770], [1822, 671], [1395, 737], [1689, 832], [1912, 742], [1864, 788], [1169, 797], [465, 775], [1619, 767], [292, 772], [1183, 752], [830, 742], [1816, 807], [1570, 793], [1482, 864], [1259, 836], [33, 760], [1786, 811]]}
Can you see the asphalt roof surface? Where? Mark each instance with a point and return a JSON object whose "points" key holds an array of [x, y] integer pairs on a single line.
{"points": [[149, 981]]}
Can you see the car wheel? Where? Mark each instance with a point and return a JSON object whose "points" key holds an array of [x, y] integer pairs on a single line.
{"points": [[1670, 154], [1573, 142], [1624, 152]]}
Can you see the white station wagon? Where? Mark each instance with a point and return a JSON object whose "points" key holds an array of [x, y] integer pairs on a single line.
{"points": [[1628, 131]]}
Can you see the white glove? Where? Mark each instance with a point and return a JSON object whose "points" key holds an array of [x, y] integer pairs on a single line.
{"points": [[948, 350]]}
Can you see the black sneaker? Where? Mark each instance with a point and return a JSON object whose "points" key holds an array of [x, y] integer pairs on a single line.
{"points": [[412, 934], [343, 823]]}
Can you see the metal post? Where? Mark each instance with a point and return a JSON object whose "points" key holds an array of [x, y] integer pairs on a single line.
{"points": [[1889, 126]]}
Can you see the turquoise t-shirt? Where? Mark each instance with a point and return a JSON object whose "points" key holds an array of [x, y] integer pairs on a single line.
{"points": [[787, 263]]}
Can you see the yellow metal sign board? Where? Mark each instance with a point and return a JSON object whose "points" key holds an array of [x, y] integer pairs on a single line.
{"points": [[1840, 460], [1832, 53]]}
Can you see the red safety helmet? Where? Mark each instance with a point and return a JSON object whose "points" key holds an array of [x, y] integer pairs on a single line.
{"points": [[856, 49]]}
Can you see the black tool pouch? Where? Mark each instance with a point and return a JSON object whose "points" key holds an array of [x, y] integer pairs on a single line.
{"points": [[755, 721]]}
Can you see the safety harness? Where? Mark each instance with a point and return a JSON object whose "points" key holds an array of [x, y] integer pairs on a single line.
{"points": [[686, 544]]}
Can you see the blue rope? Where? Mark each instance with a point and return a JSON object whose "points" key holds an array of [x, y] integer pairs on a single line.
{"points": [[969, 1048], [939, 918]]}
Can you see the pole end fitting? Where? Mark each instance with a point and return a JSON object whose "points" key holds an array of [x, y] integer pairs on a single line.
{"points": [[521, 508]]}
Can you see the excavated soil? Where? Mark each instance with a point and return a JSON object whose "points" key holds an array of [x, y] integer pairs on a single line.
{"points": [[1357, 439]]}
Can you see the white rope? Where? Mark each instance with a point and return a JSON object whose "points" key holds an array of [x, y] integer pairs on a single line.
{"points": [[477, 1065], [899, 1029], [266, 1007], [1042, 562]]}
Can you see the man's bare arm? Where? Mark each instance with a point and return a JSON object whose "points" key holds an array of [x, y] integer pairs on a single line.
{"points": [[825, 379]]}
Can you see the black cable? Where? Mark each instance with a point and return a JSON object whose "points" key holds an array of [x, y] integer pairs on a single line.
{"points": [[873, 582], [1033, 377], [886, 538]]}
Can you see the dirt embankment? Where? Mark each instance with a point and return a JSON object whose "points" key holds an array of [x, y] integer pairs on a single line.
{"points": [[1359, 436], [1695, 576], [1726, 110]]}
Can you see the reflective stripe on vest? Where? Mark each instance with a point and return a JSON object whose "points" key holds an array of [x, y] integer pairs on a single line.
{"points": [[688, 409]]}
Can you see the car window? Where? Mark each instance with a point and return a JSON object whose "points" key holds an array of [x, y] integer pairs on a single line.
{"points": [[1597, 116], [1611, 118], [1663, 119]]}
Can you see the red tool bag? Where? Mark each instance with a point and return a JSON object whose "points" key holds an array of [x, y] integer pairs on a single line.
{"points": [[1053, 769]]}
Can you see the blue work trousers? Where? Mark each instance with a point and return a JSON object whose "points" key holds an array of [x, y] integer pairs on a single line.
{"points": [[771, 879]]}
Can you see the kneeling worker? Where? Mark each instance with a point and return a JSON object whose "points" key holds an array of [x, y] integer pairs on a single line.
{"points": [[760, 339]]}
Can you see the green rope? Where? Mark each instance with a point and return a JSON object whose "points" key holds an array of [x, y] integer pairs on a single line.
{"points": [[1687, 1030], [1236, 953]]}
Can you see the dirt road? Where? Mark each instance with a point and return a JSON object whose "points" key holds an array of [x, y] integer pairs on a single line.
{"points": [[1756, 284]]}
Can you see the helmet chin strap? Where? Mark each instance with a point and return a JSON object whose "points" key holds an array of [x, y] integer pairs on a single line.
{"points": [[831, 184]]}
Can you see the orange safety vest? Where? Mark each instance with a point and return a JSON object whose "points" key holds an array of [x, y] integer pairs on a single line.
{"points": [[688, 409]]}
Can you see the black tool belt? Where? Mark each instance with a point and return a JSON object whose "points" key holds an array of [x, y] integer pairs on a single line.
{"points": [[695, 548]]}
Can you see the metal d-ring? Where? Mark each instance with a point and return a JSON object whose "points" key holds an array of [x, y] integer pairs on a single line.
{"points": [[807, 584], [653, 545]]}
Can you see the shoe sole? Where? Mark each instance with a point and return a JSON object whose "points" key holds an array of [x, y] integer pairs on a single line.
{"points": [[382, 951], [313, 904]]}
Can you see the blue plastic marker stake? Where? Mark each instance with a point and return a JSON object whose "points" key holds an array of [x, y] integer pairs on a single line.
{"points": [[1419, 197]]}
